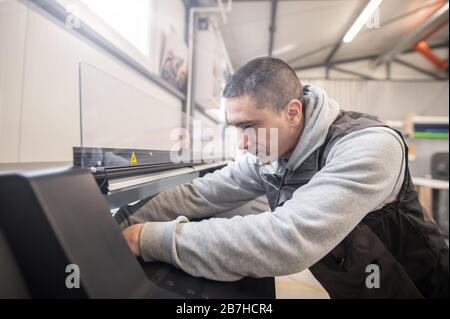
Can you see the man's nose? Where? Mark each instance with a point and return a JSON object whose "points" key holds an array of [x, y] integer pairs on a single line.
{"points": [[244, 142]]}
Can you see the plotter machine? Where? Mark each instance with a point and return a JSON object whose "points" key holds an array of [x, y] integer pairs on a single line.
{"points": [[58, 234], [55, 215]]}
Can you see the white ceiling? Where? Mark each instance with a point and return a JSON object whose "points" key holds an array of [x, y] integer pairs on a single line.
{"points": [[315, 26]]}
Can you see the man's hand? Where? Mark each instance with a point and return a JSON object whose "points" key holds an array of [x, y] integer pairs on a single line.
{"points": [[132, 235]]}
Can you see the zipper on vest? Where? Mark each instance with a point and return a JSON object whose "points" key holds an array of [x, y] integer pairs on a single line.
{"points": [[279, 188]]}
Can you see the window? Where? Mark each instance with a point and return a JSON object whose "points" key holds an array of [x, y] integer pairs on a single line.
{"points": [[130, 18]]}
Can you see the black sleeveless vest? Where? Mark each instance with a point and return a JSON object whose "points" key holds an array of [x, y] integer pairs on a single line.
{"points": [[410, 253]]}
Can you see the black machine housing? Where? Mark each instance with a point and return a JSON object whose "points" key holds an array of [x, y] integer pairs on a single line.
{"points": [[53, 215]]}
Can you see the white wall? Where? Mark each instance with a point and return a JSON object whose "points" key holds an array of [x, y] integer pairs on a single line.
{"points": [[13, 25], [39, 83], [389, 100]]}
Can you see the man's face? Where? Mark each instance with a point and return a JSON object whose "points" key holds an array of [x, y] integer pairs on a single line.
{"points": [[255, 124]]}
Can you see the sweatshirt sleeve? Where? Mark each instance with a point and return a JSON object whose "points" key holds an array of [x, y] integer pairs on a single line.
{"points": [[217, 192], [362, 172]]}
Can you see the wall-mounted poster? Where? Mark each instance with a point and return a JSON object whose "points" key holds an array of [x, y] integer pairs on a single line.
{"points": [[174, 66]]}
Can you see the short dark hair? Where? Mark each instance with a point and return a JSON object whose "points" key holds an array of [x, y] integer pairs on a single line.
{"points": [[269, 81]]}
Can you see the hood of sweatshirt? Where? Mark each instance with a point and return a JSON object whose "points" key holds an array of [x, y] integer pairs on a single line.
{"points": [[320, 112]]}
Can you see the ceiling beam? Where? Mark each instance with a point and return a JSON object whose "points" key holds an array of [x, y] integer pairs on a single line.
{"points": [[337, 62], [309, 53], [419, 69], [272, 27], [434, 47], [437, 18], [360, 75], [360, 58], [347, 27]]}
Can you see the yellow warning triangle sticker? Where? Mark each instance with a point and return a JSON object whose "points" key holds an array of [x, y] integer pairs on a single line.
{"points": [[133, 159]]}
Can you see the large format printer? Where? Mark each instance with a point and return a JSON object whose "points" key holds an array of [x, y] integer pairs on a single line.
{"points": [[53, 215]]}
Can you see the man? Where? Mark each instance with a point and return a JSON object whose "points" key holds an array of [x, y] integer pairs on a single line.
{"points": [[341, 198]]}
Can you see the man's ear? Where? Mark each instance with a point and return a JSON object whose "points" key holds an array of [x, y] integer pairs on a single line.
{"points": [[294, 112]]}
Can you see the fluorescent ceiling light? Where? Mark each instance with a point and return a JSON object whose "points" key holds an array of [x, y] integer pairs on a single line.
{"points": [[362, 19]]}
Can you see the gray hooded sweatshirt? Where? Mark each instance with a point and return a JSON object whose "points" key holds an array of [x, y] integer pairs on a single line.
{"points": [[363, 172]]}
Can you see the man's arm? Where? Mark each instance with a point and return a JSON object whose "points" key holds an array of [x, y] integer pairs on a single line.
{"points": [[214, 193], [363, 171]]}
